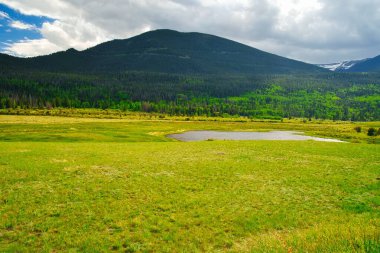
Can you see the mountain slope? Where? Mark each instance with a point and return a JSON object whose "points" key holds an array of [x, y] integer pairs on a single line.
{"points": [[341, 66], [169, 52], [365, 65], [369, 65]]}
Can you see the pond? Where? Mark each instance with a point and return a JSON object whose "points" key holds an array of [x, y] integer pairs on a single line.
{"points": [[230, 135]]}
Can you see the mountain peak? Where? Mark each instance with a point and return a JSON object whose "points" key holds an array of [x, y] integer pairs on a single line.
{"points": [[163, 31], [71, 50]]}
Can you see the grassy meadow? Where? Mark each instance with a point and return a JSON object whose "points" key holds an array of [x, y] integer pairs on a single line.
{"points": [[83, 184]]}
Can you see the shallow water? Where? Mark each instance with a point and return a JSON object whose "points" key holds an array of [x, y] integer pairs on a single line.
{"points": [[273, 135]]}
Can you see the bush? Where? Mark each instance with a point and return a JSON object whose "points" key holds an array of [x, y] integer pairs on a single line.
{"points": [[358, 129], [371, 132]]}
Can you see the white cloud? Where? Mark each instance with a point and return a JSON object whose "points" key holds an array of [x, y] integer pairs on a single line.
{"points": [[22, 26], [3, 15], [50, 8], [31, 47], [314, 30], [78, 34]]}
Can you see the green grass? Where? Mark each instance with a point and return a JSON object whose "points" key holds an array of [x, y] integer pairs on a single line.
{"points": [[148, 128], [91, 185]]}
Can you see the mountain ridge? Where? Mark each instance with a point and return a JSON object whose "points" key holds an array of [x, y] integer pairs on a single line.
{"points": [[168, 51], [368, 65], [364, 65], [340, 66]]}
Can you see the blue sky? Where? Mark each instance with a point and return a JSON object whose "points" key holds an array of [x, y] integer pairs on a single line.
{"points": [[15, 26], [314, 31]]}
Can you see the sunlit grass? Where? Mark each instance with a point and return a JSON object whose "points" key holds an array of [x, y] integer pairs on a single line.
{"points": [[90, 185], [74, 129]]}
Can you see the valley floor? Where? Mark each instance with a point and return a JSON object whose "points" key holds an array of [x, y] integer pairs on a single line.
{"points": [[94, 185]]}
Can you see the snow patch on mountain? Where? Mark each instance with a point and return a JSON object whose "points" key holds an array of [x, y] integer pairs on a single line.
{"points": [[330, 66], [341, 66]]}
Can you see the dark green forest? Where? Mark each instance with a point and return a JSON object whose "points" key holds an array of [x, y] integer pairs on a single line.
{"points": [[336, 96]]}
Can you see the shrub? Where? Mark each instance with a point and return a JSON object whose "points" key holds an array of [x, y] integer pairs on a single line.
{"points": [[371, 132], [358, 129]]}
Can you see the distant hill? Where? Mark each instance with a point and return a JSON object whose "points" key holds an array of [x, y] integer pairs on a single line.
{"points": [[166, 51], [344, 66], [365, 65], [368, 65]]}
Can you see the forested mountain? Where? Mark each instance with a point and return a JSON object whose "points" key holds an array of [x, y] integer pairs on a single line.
{"points": [[169, 52], [186, 74]]}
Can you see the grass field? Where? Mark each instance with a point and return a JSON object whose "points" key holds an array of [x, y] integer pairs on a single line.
{"points": [[99, 185]]}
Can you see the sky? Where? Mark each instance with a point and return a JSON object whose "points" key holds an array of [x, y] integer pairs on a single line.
{"points": [[314, 31]]}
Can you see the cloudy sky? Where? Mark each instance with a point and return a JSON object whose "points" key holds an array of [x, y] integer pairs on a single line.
{"points": [[315, 31]]}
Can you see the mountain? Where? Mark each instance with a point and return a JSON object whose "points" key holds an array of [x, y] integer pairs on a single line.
{"points": [[340, 66], [365, 65], [368, 65], [166, 51]]}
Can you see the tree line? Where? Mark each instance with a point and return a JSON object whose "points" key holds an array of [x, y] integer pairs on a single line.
{"points": [[324, 96]]}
